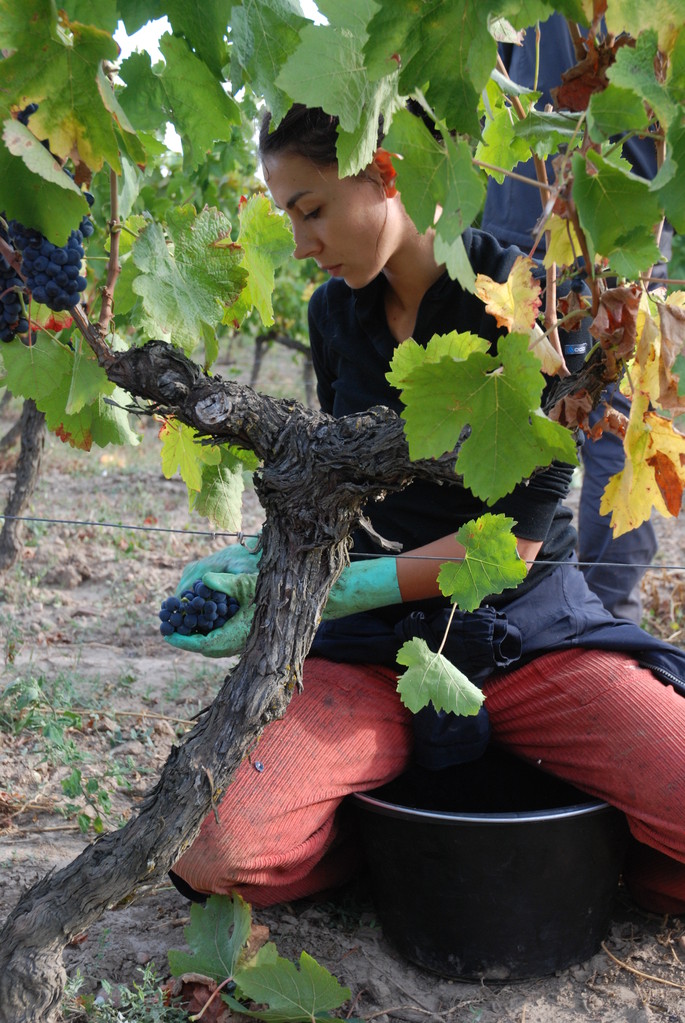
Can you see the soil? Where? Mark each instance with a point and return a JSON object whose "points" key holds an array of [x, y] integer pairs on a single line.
{"points": [[78, 632]]}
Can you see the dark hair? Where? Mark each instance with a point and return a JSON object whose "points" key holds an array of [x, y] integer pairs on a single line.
{"points": [[311, 132], [307, 131]]}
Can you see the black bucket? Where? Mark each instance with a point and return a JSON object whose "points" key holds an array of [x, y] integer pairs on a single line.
{"points": [[491, 870]]}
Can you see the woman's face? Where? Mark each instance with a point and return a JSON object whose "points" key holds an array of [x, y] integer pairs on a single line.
{"points": [[347, 225]]}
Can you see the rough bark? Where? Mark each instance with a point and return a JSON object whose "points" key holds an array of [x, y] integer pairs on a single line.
{"points": [[317, 474], [32, 432]]}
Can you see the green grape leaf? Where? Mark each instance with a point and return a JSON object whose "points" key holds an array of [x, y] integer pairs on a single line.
{"points": [[200, 109], [288, 994], [633, 69], [327, 70], [103, 422], [433, 176], [186, 285], [614, 110], [668, 183], [265, 33], [464, 192], [101, 13], [524, 13], [56, 64], [455, 257], [33, 187], [356, 148], [88, 380], [613, 206], [204, 28], [634, 249], [266, 241], [491, 562], [217, 935], [500, 146], [183, 452], [447, 45], [219, 498], [144, 99], [497, 397], [408, 355], [44, 372], [431, 678], [39, 371], [544, 131], [183, 91]]}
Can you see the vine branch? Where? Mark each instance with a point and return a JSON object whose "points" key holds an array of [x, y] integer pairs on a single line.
{"points": [[113, 265]]}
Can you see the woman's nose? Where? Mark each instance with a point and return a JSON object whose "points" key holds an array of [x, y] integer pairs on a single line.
{"points": [[306, 242]]}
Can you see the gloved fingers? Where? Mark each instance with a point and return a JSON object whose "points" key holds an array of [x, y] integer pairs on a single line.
{"points": [[242, 586], [235, 558], [226, 641]]}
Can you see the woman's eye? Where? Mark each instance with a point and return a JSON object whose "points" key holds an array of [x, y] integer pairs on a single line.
{"points": [[313, 214]]}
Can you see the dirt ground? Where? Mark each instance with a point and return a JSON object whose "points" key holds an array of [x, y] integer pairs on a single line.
{"points": [[78, 631]]}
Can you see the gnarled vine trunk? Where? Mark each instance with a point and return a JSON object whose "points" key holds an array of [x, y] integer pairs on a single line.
{"points": [[317, 474]]}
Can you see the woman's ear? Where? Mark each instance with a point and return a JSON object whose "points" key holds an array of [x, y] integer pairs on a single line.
{"points": [[382, 160]]}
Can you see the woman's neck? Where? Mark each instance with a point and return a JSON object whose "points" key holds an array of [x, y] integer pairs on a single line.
{"points": [[409, 274]]}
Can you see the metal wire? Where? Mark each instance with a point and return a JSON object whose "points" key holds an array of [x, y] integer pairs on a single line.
{"points": [[240, 536]]}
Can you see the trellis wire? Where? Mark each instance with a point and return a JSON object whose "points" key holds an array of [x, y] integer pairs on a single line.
{"points": [[240, 537]]}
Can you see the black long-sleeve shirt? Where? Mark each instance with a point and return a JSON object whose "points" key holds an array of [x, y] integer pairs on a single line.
{"points": [[352, 347]]}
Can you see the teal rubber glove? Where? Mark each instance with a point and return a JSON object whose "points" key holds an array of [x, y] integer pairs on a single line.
{"points": [[230, 639], [236, 559], [362, 586]]}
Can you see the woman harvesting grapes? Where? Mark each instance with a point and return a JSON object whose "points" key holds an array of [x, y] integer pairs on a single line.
{"points": [[589, 698]]}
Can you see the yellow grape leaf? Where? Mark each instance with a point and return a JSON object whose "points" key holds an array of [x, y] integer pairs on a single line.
{"points": [[658, 345], [654, 473], [564, 247], [182, 452], [541, 346], [516, 303]]}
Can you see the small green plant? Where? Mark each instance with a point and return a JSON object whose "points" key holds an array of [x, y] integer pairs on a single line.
{"points": [[259, 984], [46, 709], [144, 1002], [13, 639], [38, 705]]}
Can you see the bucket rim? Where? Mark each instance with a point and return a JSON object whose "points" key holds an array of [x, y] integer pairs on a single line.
{"points": [[589, 806]]}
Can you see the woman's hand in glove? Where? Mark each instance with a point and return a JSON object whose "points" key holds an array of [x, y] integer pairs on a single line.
{"points": [[230, 638], [236, 559]]}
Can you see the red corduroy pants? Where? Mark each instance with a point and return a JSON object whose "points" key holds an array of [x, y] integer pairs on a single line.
{"points": [[593, 718]]}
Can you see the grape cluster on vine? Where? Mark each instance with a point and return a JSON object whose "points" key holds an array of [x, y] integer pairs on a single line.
{"points": [[50, 274], [199, 610]]}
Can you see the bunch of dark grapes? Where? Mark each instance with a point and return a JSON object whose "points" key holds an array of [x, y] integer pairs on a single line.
{"points": [[52, 273], [197, 611], [12, 315]]}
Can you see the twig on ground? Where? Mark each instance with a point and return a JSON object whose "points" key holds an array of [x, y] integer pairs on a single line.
{"points": [[640, 973]]}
